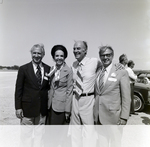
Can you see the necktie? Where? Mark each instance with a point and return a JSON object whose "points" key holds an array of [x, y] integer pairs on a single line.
{"points": [[39, 75], [101, 79], [79, 81]]}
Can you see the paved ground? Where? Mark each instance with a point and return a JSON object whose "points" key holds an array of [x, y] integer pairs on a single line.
{"points": [[135, 133], [143, 118], [7, 110]]}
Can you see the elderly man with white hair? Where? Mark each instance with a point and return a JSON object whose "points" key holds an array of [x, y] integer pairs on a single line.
{"points": [[31, 94]]}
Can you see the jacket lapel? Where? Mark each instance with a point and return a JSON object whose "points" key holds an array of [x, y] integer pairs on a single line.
{"points": [[63, 71]]}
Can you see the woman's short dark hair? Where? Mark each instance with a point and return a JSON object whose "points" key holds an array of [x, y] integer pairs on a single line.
{"points": [[59, 47], [130, 63]]}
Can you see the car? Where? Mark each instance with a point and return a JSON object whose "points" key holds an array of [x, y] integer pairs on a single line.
{"points": [[142, 90]]}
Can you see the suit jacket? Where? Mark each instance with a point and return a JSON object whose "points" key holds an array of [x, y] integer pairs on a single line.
{"points": [[29, 97], [61, 92], [113, 102]]}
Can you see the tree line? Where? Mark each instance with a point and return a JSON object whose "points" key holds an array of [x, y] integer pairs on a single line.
{"points": [[15, 67]]}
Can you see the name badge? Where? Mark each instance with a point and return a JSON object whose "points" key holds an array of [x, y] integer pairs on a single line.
{"points": [[112, 79]]}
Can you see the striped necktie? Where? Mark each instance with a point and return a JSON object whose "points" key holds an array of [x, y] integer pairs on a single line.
{"points": [[101, 79], [39, 75], [79, 81]]}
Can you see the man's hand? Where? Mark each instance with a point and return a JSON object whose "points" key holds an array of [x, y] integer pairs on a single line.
{"points": [[119, 66], [67, 116], [19, 113], [122, 121]]}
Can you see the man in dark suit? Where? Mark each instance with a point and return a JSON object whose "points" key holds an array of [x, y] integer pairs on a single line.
{"points": [[31, 97], [31, 93]]}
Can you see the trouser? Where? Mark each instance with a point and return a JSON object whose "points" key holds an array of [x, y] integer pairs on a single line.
{"points": [[32, 131], [82, 130], [82, 110], [132, 98], [109, 135]]}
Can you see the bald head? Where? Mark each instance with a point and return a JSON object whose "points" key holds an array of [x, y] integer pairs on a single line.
{"points": [[80, 50]]}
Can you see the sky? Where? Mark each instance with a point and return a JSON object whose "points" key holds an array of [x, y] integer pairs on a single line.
{"points": [[122, 24]]}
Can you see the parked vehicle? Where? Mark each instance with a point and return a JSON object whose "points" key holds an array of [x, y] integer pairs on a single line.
{"points": [[142, 90]]}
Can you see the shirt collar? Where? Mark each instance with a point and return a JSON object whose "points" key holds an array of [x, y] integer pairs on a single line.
{"points": [[109, 68], [83, 61], [35, 65]]}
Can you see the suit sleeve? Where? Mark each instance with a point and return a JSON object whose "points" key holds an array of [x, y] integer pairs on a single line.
{"points": [[125, 95], [69, 91], [19, 88]]}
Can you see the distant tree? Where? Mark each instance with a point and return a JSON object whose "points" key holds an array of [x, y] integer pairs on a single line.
{"points": [[15, 67]]}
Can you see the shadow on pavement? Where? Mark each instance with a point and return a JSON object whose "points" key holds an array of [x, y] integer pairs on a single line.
{"points": [[146, 120]]}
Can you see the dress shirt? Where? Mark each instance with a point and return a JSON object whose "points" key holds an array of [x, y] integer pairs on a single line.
{"points": [[131, 74], [35, 69], [89, 67]]}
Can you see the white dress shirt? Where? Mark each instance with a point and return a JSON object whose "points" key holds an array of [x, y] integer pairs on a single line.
{"points": [[89, 68], [131, 74], [107, 71]]}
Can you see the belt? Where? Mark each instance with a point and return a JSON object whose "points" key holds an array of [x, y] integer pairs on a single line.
{"points": [[87, 94]]}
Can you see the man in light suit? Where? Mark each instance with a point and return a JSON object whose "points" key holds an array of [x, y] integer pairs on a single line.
{"points": [[112, 89], [31, 93]]}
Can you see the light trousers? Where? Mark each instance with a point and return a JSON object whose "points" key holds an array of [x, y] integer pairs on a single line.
{"points": [[32, 131]]}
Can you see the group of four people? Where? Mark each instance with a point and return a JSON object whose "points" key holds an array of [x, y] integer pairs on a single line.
{"points": [[88, 89], [90, 92]]}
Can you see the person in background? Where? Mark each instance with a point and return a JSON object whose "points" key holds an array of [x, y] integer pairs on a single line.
{"points": [[146, 80], [133, 78], [61, 89], [123, 60], [31, 95]]}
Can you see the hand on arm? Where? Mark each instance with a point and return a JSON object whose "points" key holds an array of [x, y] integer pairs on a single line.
{"points": [[119, 66]]}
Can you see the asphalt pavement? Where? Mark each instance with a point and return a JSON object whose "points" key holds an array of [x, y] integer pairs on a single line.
{"points": [[142, 118]]}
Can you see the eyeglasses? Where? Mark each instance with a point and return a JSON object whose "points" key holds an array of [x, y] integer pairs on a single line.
{"points": [[107, 55], [76, 48]]}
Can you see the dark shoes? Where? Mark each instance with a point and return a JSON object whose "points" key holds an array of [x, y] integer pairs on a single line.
{"points": [[134, 113]]}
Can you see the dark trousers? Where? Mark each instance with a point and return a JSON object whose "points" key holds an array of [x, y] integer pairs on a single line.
{"points": [[132, 98]]}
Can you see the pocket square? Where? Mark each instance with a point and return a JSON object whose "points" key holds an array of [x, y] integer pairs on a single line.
{"points": [[112, 79]]}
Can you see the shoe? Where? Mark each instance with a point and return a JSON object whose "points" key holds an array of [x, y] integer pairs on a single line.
{"points": [[134, 113]]}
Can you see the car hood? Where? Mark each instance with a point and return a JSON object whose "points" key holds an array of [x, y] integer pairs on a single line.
{"points": [[142, 85]]}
